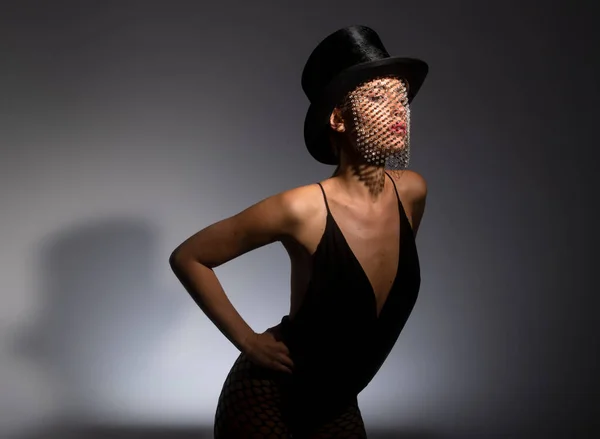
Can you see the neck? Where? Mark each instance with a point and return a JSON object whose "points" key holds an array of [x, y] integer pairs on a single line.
{"points": [[360, 181]]}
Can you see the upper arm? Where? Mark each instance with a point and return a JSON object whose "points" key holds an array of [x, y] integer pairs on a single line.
{"points": [[265, 222]]}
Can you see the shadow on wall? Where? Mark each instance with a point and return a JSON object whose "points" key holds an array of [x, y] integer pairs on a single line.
{"points": [[101, 319]]}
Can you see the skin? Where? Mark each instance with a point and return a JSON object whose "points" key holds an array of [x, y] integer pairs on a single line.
{"points": [[379, 104], [362, 201], [361, 198]]}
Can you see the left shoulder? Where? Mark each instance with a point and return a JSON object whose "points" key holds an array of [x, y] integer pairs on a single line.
{"points": [[411, 185], [412, 189]]}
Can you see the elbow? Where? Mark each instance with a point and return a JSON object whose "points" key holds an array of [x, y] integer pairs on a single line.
{"points": [[181, 261], [176, 260], [184, 258]]}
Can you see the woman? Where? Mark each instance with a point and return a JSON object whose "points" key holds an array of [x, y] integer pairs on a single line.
{"points": [[351, 242]]}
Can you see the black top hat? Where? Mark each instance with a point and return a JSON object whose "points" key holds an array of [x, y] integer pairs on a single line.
{"points": [[336, 66]]}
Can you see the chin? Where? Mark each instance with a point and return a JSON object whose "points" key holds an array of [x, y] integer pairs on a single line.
{"points": [[396, 146]]}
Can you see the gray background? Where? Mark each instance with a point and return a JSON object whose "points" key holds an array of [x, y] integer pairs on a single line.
{"points": [[126, 126]]}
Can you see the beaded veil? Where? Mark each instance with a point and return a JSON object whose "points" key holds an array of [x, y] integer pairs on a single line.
{"points": [[378, 116]]}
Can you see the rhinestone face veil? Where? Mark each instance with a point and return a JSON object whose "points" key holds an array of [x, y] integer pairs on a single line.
{"points": [[377, 118]]}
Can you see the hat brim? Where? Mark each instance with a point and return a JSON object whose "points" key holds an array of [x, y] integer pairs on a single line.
{"points": [[316, 123]]}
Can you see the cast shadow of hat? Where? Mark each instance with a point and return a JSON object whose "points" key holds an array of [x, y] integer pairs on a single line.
{"points": [[102, 313]]}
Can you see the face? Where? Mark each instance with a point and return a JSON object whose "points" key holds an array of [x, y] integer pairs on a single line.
{"points": [[376, 118]]}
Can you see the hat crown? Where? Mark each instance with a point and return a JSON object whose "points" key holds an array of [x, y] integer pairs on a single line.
{"points": [[341, 50]]}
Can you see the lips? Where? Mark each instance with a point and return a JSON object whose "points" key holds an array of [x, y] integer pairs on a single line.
{"points": [[399, 127]]}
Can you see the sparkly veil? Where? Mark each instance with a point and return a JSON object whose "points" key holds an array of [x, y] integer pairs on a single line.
{"points": [[379, 121]]}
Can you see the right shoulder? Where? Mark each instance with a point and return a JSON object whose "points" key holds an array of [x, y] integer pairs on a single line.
{"points": [[299, 204], [276, 218]]}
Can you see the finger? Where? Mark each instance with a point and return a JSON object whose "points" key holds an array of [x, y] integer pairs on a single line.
{"points": [[283, 348], [284, 368], [276, 365], [286, 361]]}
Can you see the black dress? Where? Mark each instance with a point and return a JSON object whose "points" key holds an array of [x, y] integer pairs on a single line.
{"points": [[337, 342]]}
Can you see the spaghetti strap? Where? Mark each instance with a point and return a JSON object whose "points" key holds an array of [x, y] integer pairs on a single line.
{"points": [[339, 337], [401, 206], [394, 183], [325, 198]]}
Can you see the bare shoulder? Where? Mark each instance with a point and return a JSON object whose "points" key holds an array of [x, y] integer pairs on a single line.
{"points": [[272, 219], [301, 202], [411, 184], [281, 211], [412, 188]]}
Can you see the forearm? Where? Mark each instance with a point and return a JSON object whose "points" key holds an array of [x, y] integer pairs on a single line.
{"points": [[205, 289]]}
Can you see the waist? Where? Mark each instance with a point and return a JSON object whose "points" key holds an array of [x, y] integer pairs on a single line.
{"points": [[331, 359]]}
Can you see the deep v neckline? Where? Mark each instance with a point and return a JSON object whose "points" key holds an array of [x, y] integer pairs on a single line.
{"points": [[386, 296]]}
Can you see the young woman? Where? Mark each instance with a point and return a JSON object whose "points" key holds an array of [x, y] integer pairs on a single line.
{"points": [[351, 242]]}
